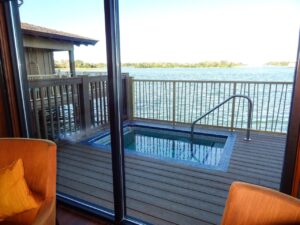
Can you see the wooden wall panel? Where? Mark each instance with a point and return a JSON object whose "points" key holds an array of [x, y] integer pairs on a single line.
{"points": [[44, 43], [52, 62], [39, 61], [26, 54]]}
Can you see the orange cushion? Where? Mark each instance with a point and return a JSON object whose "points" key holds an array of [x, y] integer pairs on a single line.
{"points": [[15, 194], [249, 204]]}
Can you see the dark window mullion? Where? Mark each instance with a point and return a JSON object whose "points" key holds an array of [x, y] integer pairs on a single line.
{"points": [[288, 171], [18, 64], [115, 106]]}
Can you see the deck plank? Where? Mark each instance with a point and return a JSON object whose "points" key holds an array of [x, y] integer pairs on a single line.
{"points": [[153, 183], [105, 156], [162, 192]]}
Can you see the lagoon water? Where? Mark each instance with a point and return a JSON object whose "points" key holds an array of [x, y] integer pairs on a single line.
{"points": [[271, 101], [230, 74]]}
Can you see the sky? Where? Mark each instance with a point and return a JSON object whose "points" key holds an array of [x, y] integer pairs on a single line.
{"points": [[184, 31]]}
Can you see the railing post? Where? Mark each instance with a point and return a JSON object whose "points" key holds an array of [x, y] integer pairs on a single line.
{"points": [[174, 103], [233, 107], [85, 108], [129, 94], [250, 111]]}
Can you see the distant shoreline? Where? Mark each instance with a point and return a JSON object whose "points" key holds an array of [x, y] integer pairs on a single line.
{"points": [[244, 66], [206, 64], [167, 65]]}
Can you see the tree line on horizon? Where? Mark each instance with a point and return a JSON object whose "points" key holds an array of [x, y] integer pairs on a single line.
{"points": [[205, 64], [62, 64], [278, 63]]}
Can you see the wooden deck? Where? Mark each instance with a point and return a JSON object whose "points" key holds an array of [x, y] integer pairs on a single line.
{"points": [[160, 192]]}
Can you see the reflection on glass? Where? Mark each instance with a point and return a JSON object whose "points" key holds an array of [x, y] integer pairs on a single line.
{"points": [[184, 58], [66, 67]]}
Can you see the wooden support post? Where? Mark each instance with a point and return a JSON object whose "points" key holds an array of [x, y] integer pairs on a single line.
{"points": [[174, 103], [129, 95], [72, 63], [233, 108], [85, 104]]}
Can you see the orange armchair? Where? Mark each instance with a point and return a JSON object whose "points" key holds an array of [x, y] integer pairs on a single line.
{"points": [[39, 159], [249, 204]]}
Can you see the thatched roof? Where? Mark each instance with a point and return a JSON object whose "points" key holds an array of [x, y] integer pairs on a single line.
{"points": [[33, 30]]}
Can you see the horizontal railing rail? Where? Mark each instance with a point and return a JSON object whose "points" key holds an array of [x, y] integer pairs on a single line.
{"points": [[217, 81], [182, 101], [46, 76]]}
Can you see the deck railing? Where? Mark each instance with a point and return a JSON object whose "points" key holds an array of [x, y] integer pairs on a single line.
{"points": [[66, 106], [46, 76], [185, 101]]}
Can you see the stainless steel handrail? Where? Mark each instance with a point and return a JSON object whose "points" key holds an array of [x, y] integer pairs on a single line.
{"points": [[250, 109]]}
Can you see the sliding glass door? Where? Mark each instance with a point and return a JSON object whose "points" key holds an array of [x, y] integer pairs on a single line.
{"points": [[209, 96], [159, 138], [68, 86]]}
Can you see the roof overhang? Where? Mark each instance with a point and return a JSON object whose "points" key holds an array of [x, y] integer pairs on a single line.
{"points": [[37, 31]]}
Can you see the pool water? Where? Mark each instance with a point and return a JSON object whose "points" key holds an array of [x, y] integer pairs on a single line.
{"points": [[206, 150]]}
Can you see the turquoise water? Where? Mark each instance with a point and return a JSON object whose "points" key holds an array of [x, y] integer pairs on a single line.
{"points": [[234, 74], [207, 150]]}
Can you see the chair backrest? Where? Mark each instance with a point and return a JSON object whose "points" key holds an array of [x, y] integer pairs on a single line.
{"points": [[249, 204], [39, 159]]}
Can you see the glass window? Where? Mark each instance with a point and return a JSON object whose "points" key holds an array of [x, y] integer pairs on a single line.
{"points": [[65, 55]]}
